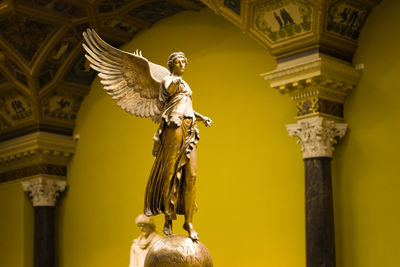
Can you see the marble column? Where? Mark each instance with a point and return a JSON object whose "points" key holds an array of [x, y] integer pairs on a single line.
{"points": [[44, 192], [317, 138], [318, 84]]}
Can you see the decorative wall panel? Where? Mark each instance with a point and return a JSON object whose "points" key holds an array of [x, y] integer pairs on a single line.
{"points": [[280, 20]]}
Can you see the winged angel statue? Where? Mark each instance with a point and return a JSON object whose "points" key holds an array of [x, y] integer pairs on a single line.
{"points": [[145, 89]]}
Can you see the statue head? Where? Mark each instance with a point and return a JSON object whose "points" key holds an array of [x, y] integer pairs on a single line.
{"points": [[146, 223], [177, 62]]}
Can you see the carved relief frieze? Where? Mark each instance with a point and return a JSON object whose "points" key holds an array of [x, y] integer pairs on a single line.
{"points": [[61, 106], [59, 7], [25, 34], [319, 106], [289, 27], [282, 19], [347, 17], [44, 192], [157, 10], [16, 106], [317, 136]]}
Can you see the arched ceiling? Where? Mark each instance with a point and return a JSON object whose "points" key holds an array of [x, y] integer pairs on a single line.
{"points": [[44, 76]]}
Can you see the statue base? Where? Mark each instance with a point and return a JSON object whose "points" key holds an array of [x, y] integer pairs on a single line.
{"points": [[178, 251]]}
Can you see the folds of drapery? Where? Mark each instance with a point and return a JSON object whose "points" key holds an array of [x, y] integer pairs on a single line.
{"points": [[166, 184]]}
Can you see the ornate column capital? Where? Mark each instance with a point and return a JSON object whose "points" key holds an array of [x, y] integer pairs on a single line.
{"points": [[317, 136], [44, 191]]}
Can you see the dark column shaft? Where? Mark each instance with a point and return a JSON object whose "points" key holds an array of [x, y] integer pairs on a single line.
{"points": [[44, 237], [320, 229]]}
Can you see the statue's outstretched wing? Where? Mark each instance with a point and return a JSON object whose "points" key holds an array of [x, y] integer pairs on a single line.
{"points": [[128, 77]]}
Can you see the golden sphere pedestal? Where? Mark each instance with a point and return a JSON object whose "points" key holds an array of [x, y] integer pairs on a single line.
{"points": [[178, 251]]}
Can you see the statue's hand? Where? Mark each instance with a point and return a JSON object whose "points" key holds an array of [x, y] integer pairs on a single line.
{"points": [[177, 80], [207, 121]]}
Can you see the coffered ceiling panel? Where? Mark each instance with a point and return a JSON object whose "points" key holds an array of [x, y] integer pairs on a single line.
{"points": [[43, 73]]}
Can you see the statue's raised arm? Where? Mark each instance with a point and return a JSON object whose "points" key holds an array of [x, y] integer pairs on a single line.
{"points": [[128, 77]]}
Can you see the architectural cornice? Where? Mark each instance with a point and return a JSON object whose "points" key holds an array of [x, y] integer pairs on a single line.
{"points": [[318, 83], [314, 73], [35, 153]]}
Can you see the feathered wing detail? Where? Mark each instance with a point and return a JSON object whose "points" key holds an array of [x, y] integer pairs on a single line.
{"points": [[128, 77]]}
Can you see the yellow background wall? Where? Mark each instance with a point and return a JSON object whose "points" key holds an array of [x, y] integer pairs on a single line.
{"points": [[16, 227], [366, 166], [250, 176]]}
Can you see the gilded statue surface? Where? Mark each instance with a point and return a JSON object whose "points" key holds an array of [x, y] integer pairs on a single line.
{"points": [[146, 89]]}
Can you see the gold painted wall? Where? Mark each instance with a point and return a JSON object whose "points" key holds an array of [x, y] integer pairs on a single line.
{"points": [[16, 227], [250, 176], [366, 169]]}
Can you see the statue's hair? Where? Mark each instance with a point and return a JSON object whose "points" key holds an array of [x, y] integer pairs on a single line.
{"points": [[174, 56], [143, 219]]}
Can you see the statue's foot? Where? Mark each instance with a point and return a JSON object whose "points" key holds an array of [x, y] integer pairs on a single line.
{"points": [[192, 233], [167, 230]]}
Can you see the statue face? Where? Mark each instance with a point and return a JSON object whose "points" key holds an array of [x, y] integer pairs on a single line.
{"points": [[179, 66]]}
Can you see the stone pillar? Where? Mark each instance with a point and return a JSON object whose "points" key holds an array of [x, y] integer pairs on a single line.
{"points": [[317, 137], [40, 161], [44, 192], [318, 84]]}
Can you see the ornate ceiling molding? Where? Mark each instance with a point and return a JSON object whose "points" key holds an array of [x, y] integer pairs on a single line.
{"points": [[43, 74], [38, 153], [288, 27], [316, 82]]}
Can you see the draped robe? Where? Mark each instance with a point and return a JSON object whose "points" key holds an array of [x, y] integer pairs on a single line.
{"points": [[174, 141]]}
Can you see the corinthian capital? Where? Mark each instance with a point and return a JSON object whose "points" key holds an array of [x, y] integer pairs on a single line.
{"points": [[44, 192], [317, 136]]}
